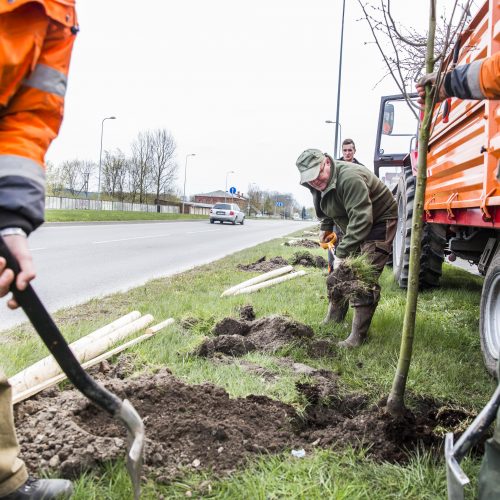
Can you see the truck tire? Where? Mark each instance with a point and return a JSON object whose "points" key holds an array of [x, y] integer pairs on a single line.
{"points": [[489, 322], [433, 241]]}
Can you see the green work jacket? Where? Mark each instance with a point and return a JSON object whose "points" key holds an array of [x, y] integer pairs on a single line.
{"points": [[356, 200]]}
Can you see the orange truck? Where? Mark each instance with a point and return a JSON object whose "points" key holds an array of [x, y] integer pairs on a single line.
{"points": [[462, 197]]}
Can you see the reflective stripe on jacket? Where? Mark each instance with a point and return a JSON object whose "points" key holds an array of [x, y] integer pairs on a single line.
{"points": [[477, 80], [35, 49]]}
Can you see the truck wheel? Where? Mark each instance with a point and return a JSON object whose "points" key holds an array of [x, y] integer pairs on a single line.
{"points": [[433, 242], [489, 323]]}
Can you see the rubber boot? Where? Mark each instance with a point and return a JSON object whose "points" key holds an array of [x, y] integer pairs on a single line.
{"points": [[361, 322], [42, 489], [336, 312]]}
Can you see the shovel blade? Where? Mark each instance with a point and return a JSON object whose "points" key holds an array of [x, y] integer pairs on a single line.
{"points": [[136, 438], [455, 476]]}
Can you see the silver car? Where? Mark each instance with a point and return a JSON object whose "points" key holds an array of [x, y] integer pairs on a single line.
{"points": [[226, 212]]}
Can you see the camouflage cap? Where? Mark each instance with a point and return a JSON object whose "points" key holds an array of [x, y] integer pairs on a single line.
{"points": [[309, 164]]}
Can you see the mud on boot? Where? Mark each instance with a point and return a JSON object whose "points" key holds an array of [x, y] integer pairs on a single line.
{"points": [[42, 489], [336, 312], [360, 324]]}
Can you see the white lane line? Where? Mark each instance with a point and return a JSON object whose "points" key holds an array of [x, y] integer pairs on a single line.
{"points": [[129, 239], [205, 231], [35, 249]]}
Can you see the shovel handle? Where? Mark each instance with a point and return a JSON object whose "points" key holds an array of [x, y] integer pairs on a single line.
{"points": [[55, 342]]}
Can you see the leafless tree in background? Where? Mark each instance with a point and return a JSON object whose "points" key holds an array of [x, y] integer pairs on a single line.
{"points": [[114, 172], [70, 175], [53, 179], [85, 170], [163, 164], [140, 166]]}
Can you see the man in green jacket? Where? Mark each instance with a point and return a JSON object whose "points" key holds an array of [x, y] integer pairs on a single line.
{"points": [[353, 198]]}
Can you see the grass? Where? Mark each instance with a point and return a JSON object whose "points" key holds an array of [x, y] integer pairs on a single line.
{"points": [[113, 215], [447, 365]]}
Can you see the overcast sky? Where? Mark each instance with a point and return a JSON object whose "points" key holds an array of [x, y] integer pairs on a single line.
{"points": [[247, 86]]}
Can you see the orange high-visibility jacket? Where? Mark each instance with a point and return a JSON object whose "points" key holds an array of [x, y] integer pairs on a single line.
{"points": [[36, 40], [477, 80]]}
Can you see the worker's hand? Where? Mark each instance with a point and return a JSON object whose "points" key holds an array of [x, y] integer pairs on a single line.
{"points": [[18, 245], [431, 80], [337, 261], [327, 238]]}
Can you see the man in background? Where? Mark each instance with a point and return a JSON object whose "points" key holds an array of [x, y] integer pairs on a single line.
{"points": [[348, 152]]}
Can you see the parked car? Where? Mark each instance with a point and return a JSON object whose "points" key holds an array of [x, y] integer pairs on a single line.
{"points": [[226, 212]]}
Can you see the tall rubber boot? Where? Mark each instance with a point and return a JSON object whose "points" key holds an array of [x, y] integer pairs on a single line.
{"points": [[336, 312], [361, 322]]}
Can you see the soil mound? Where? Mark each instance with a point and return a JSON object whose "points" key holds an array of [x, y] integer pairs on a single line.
{"points": [[199, 427], [237, 337], [307, 259], [302, 243], [247, 313], [262, 265]]}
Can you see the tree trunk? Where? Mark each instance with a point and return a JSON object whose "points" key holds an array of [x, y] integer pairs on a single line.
{"points": [[395, 402]]}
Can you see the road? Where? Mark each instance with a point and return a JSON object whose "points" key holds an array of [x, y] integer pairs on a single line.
{"points": [[77, 262]]}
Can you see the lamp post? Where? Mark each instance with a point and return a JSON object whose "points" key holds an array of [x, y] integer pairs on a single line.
{"points": [[185, 170], [337, 125], [225, 192], [100, 156], [340, 80]]}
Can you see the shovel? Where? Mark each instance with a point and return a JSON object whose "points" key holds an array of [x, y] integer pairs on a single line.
{"points": [[454, 452], [53, 339]]}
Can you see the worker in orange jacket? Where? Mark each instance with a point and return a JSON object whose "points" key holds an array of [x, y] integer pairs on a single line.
{"points": [[477, 80], [35, 47]]}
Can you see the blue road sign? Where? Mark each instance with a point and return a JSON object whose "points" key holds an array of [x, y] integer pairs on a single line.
{"points": [[232, 190], [279, 204]]}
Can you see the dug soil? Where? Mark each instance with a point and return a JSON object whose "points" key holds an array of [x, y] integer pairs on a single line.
{"points": [[307, 259], [302, 243], [264, 265], [199, 427]]}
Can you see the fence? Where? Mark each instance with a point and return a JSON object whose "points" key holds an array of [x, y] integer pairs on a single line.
{"points": [[59, 203]]}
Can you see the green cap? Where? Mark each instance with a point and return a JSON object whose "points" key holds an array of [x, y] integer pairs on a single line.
{"points": [[309, 164]]}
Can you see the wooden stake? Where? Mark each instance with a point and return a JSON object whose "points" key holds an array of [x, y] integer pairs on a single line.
{"points": [[18, 397], [257, 279], [265, 284], [84, 349], [160, 326]]}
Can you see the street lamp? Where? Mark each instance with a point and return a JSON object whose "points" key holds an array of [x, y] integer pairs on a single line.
{"points": [[100, 156], [340, 80], [225, 193], [337, 125], [185, 170]]}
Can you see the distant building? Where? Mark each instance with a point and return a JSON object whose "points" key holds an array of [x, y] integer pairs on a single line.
{"points": [[220, 196]]}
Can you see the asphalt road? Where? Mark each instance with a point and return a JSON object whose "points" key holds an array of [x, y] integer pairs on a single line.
{"points": [[77, 262]]}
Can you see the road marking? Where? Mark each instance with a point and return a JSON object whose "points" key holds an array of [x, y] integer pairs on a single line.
{"points": [[205, 231], [35, 249], [129, 239]]}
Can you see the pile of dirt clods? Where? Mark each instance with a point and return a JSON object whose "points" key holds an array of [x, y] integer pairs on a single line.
{"points": [[264, 265], [307, 259], [236, 337], [198, 427]]}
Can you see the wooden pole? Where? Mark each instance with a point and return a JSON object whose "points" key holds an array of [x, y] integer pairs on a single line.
{"points": [[265, 284], [17, 397], [84, 349], [257, 279]]}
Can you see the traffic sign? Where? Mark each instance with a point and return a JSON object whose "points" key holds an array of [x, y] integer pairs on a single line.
{"points": [[279, 204], [232, 190]]}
